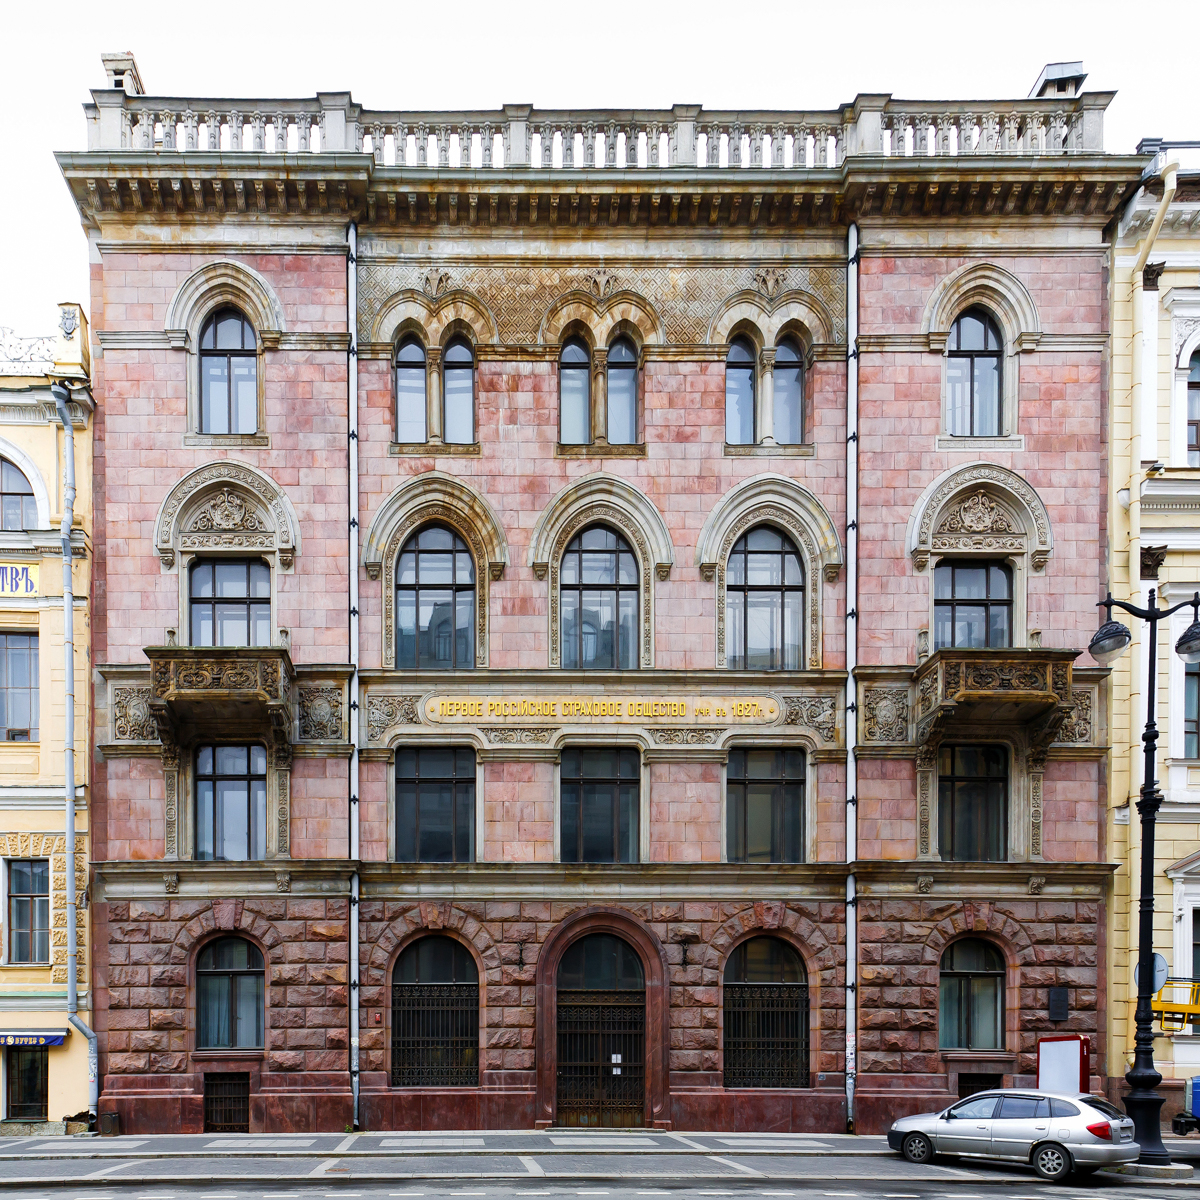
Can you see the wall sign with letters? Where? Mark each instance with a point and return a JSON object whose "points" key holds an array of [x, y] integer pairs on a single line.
{"points": [[18, 579], [603, 710]]}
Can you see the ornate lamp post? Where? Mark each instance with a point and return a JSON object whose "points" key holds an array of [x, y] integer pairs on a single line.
{"points": [[1111, 640]]}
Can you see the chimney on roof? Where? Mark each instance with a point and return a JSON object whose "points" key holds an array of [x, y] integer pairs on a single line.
{"points": [[1059, 79], [123, 73]]}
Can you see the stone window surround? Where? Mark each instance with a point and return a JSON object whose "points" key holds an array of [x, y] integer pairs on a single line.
{"points": [[770, 499], [599, 446], [958, 1060], [51, 846], [434, 394], [1183, 307], [233, 1058]]}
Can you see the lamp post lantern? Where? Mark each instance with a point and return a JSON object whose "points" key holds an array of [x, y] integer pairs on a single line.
{"points": [[1110, 641]]}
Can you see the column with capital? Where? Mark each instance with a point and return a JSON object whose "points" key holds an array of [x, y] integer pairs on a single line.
{"points": [[766, 399]]}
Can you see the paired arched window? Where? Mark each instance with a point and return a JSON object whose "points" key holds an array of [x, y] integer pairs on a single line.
{"points": [[740, 424], [973, 803], [973, 354], [622, 390], [457, 414], [764, 602], [972, 604], [230, 994], [598, 607], [228, 374], [766, 1016], [435, 602], [788, 379], [230, 602], [435, 1015], [18, 508], [615, 418], [411, 386], [458, 393], [971, 997], [231, 802], [575, 393]]}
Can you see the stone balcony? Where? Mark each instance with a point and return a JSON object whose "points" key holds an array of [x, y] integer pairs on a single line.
{"points": [[1028, 688]]}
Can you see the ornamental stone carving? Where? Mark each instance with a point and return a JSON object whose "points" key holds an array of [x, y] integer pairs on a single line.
{"points": [[320, 710], [283, 881], [383, 712], [769, 281], [886, 714], [686, 737], [132, 719], [817, 712], [1077, 728], [924, 884], [1183, 328], [171, 882], [978, 513], [512, 736], [225, 512], [601, 283]]}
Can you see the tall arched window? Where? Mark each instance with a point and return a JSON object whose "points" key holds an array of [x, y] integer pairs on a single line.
{"points": [[575, 394], [789, 394], [598, 583], [435, 1015], [764, 602], [971, 997], [18, 508], [739, 393], [973, 376], [411, 392], [766, 1016], [228, 374], [230, 603], [230, 994], [1193, 412], [622, 393], [458, 392], [435, 602]]}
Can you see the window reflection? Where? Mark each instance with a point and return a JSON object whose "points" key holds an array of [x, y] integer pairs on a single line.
{"points": [[231, 603], [598, 583], [228, 374], [973, 376], [765, 806], [973, 803], [971, 997], [739, 393], [789, 394], [622, 393], [764, 602], [599, 805], [231, 803], [972, 605], [410, 392], [435, 602], [575, 394]]}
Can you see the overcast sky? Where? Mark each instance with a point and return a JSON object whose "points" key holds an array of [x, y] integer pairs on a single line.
{"points": [[464, 54]]}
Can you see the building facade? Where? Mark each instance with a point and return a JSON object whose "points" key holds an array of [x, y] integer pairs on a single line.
{"points": [[43, 1061], [591, 605], [1152, 513]]}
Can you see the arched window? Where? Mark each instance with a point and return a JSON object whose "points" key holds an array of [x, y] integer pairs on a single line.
{"points": [[228, 374], [18, 508], [973, 803], [764, 602], [575, 394], [458, 392], [598, 583], [622, 393], [764, 806], [601, 962], [230, 996], [739, 393], [972, 604], [971, 997], [1193, 412], [411, 392], [435, 804], [766, 1016], [435, 602], [231, 803], [789, 394], [973, 376], [230, 603], [435, 1015]]}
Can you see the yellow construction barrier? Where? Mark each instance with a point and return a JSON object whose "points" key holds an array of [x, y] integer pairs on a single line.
{"points": [[1177, 1004]]}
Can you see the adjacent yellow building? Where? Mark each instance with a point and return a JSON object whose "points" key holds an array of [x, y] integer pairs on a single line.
{"points": [[1154, 510], [43, 1059]]}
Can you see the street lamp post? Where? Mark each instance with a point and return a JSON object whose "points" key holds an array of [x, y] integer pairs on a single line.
{"points": [[1111, 641]]}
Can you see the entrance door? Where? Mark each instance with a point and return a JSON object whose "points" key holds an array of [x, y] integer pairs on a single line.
{"points": [[601, 1035]]}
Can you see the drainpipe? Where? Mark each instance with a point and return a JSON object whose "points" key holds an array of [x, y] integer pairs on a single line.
{"points": [[851, 664], [61, 396], [352, 577]]}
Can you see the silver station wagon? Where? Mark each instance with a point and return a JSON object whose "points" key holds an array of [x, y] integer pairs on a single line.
{"points": [[1057, 1133]]}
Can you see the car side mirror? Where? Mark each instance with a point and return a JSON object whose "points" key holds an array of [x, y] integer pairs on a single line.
{"points": [[948, 1115]]}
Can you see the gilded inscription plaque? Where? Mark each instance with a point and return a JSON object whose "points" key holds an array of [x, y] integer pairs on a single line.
{"points": [[602, 710]]}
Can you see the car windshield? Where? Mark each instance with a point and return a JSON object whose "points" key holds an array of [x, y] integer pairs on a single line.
{"points": [[1109, 1110]]}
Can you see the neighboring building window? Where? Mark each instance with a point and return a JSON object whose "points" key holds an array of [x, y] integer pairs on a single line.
{"points": [[973, 376], [411, 382], [231, 803], [739, 393], [19, 687], [789, 394], [575, 394], [18, 508], [27, 1075], [435, 602], [29, 910], [599, 805], [1193, 412], [764, 602], [1191, 712], [622, 393], [766, 1016], [971, 997], [228, 374], [230, 994], [435, 804], [435, 1015], [231, 603], [973, 803], [764, 803], [972, 605], [458, 392], [598, 582]]}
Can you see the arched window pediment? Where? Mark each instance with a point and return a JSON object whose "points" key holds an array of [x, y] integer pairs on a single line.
{"points": [[216, 285]]}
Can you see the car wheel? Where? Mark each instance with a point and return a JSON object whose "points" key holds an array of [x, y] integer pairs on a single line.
{"points": [[917, 1148], [1052, 1162]]}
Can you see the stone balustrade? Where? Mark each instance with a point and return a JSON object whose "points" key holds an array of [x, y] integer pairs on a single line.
{"points": [[685, 136]]}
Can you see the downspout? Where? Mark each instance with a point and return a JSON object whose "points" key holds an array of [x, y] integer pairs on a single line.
{"points": [[61, 396], [851, 665], [352, 577]]}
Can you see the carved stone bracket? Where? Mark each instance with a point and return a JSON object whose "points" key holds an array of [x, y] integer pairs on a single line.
{"points": [[816, 712], [171, 882], [924, 884]]}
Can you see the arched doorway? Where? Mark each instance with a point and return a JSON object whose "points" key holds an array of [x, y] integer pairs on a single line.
{"points": [[601, 1034]]}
